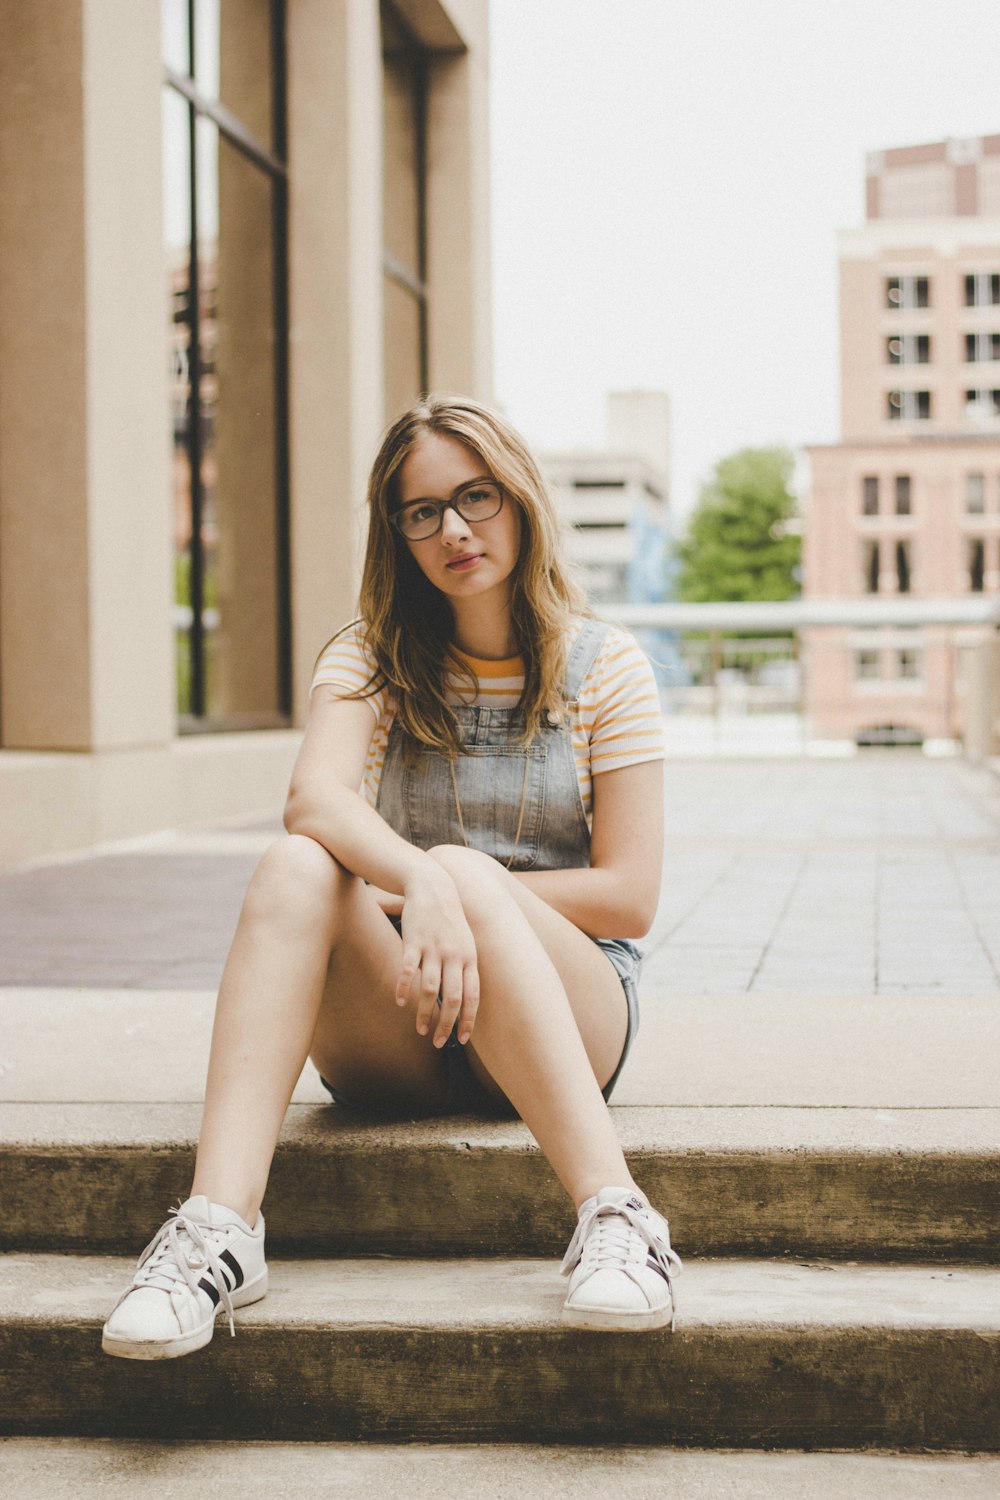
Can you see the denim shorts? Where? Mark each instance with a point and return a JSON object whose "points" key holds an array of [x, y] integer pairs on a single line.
{"points": [[464, 1094]]}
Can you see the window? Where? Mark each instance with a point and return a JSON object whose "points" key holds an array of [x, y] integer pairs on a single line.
{"points": [[908, 349], [980, 348], [903, 494], [975, 494], [902, 567], [977, 565], [866, 665], [906, 665], [982, 405], [225, 216], [908, 406], [982, 289], [870, 566], [908, 291], [404, 258], [869, 495]]}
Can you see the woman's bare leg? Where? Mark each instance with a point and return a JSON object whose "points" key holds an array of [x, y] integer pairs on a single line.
{"points": [[548, 1053], [308, 930]]}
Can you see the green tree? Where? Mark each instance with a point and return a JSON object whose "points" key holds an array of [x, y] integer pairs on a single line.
{"points": [[739, 544]]}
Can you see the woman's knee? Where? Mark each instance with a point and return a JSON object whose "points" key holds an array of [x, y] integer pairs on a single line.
{"points": [[296, 876], [482, 883]]}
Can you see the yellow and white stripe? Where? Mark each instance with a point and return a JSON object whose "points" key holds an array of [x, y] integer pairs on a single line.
{"points": [[616, 722]]}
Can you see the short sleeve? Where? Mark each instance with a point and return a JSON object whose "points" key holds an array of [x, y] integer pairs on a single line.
{"points": [[620, 706], [346, 666]]}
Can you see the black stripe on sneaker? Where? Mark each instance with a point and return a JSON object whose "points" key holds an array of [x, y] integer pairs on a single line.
{"points": [[212, 1290], [654, 1265], [235, 1267]]}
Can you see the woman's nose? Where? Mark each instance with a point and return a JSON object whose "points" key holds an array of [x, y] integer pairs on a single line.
{"points": [[453, 526]]}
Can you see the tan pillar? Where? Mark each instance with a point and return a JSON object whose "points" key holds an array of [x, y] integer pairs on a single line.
{"points": [[87, 653], [335, 235], [458, 215]]}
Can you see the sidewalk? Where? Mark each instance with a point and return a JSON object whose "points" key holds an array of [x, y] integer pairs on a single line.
{"points": [[828, 935]]}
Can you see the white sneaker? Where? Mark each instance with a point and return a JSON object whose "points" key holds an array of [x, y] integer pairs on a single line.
{"points": [[620, 1265], [203, 1255]]}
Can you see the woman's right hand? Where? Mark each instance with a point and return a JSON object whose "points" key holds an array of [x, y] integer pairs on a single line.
{"points": [[439, 957]]}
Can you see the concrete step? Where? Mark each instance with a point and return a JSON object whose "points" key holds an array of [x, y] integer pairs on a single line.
{"points": [[121, 1469], [844, 1183], [766, 1354]]}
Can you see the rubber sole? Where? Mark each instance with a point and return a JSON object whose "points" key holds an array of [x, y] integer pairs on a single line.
{"points": [[187, 1343], [610, 1320]]}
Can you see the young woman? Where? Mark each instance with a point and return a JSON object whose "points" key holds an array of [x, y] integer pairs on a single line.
{"points": [[474, 839]]}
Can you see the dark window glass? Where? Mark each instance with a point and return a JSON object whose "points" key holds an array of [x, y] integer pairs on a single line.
{"points": [[977, 565], [871, 567], [404, 109], [975, 494], [908, 406], [982, 289], [869, 495], [908, 349], [866, 665], [907, 291], [982, 403], [226, 256], [903, 494], [903, 567], [907, 664]]}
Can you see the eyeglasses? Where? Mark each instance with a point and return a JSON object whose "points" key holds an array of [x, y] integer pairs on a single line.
{"points": [[420, 519]]}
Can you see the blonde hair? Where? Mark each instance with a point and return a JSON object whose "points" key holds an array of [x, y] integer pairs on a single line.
{"points": [[408, 623]]}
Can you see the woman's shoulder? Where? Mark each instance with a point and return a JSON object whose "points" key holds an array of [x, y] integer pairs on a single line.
{"points": [[347, 661]]}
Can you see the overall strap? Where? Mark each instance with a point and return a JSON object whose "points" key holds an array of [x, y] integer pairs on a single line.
{"points": [[583, 655]]}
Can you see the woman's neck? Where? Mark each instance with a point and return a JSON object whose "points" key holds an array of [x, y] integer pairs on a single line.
{"points": [[484, 631]]}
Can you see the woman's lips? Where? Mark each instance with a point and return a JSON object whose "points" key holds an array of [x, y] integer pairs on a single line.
{"points": [[461, 564]]}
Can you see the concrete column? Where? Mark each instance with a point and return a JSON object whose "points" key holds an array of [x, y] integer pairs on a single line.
{"points": [[982, 699], [87, 653], [458, 215], [335, 210]]}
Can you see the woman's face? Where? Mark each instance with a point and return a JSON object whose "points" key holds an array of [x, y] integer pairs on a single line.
{"points": [[465, 559]]}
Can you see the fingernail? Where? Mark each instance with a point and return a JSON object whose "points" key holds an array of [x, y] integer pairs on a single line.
{"points": [[464, 1037]]}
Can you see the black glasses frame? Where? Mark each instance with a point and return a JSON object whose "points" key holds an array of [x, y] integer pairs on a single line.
{"points": [[454, 502]]}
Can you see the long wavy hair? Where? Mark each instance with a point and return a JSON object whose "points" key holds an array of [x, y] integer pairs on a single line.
{"points": [[408, 623]]}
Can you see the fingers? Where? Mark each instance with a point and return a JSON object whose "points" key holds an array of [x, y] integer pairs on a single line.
{"points": [[424, 978]]}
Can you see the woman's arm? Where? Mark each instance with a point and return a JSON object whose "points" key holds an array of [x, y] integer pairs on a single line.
{"points": [[617, 896], [324, 804]]}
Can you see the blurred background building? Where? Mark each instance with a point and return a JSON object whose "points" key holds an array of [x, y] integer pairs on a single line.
{"points": [[906, 506], [613, 501], [238, 236]]}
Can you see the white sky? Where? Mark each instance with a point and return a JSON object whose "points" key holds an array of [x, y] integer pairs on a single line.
{"points": [[668, 180]]}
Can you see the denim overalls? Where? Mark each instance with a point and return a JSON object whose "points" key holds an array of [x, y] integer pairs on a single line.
{"points": [[516, 800]]}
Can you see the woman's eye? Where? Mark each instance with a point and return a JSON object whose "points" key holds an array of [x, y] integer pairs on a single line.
{"points": [[477, 497], [421, 512]]}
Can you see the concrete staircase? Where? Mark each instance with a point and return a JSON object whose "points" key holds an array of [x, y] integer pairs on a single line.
{"points": [[839, 1292]]}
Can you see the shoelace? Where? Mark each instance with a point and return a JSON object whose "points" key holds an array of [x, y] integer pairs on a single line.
{"points": [[164, 1260], [604, 1235]]}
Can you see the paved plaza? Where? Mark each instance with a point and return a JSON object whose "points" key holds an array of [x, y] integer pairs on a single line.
{"points": [[828, 934]]}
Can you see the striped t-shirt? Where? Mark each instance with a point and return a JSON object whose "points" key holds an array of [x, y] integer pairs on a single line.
{"points": [[616, 722]]}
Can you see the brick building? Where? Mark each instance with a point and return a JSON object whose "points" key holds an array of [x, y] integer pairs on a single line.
{"points": [[908, 502]]}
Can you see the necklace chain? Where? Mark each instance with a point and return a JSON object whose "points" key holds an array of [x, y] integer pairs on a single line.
{"points": [[520, 814]]}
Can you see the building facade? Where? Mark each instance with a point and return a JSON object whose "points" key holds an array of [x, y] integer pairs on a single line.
{"points": [[238, 237], [613, 502], [908, 502]]}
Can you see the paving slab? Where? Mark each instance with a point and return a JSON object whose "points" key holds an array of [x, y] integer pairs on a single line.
{"points": [[778, 1048], [765, 1354], [79, 1469]]}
